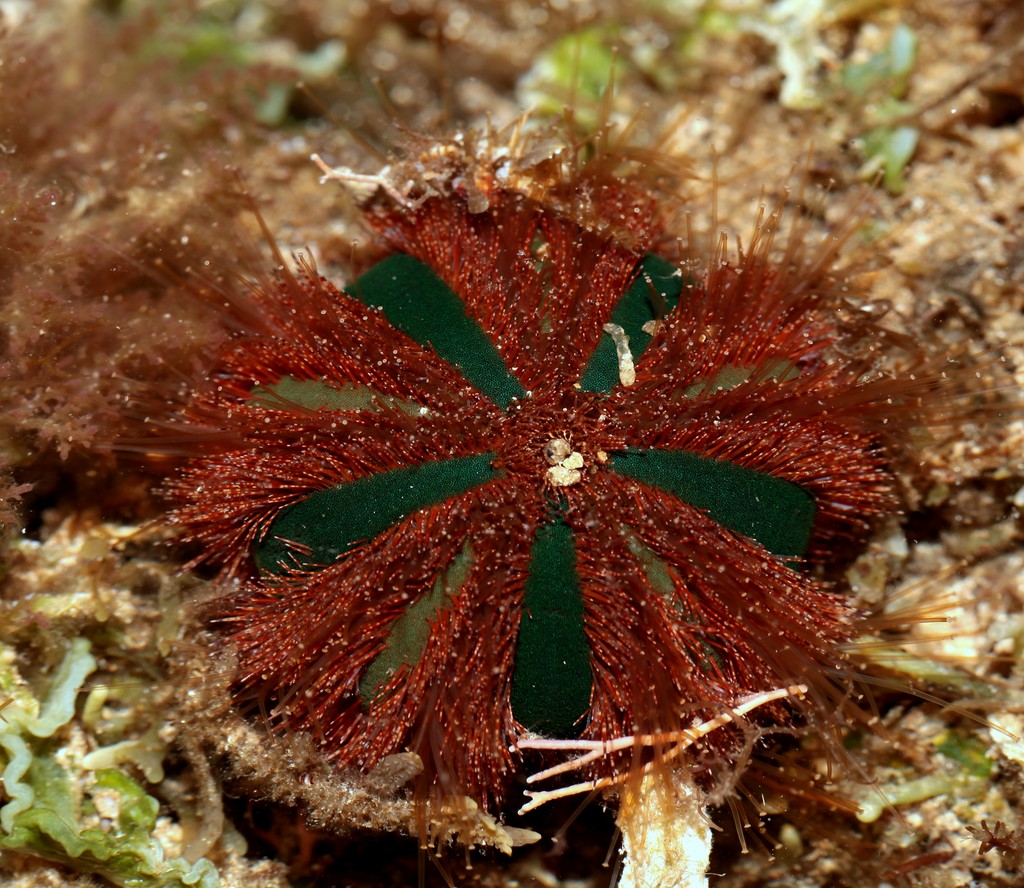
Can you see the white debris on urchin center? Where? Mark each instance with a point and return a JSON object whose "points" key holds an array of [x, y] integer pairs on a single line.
{"points": [[565, 463]]}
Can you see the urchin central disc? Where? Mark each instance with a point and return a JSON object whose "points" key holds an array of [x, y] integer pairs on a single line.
{"points": [[564, 461]]}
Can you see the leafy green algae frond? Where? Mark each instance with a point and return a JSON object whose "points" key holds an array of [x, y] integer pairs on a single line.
{"points": [[98, 821]]}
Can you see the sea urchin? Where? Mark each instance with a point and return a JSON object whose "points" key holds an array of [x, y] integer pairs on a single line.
{"points": [[534, 472]]}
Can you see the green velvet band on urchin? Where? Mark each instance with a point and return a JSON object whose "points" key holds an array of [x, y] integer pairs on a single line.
{"points": [[419, 304], [319, 394], [776, 513], [552, 679], [409, 634], [328, 522]]}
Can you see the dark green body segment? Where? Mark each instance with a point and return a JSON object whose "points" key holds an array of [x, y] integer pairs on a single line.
{"points": [[411, 631], [552, 679], [318, 394], [636, 307], [419, 304], [777, 513], [329, 521], [730, 376]]}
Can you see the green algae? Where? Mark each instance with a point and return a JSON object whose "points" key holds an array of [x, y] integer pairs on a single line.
{"points": [[57, 807]]}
